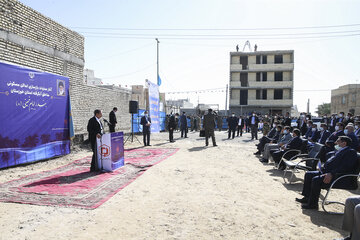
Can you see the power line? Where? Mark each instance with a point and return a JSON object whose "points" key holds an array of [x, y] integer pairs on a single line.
{"points": [[219, 35], [220, 29]]}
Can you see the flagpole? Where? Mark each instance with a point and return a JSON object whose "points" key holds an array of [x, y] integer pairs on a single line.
{"points": [[157, 62]]}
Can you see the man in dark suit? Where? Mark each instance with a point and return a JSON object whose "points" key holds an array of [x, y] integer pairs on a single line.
{"points": [[332, 123], [171, 127], [209, 126], [112, 119], [254, 122], [146, 123], [315, 133], [294, 143], [240, 126], [344, 161], [273, 135], [339, 131], [183, 125], [324, 133], [357, 129], [95, 130], [287, 120], [349, 131], [232, 124]]}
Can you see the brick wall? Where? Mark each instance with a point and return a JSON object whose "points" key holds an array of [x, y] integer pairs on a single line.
{"points": [[30, 39]]}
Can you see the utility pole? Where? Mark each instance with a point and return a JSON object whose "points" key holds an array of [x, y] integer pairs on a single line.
{"points": [[308, 106], [226, 99], [157, 61]]}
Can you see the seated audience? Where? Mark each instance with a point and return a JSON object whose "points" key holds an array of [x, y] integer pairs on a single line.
{"points": [[294, 143], [273, 136], [349, 131], [324, 133], [285, 138], [344, 161]]}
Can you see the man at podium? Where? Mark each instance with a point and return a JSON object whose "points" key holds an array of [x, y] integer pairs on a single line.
{"points": [[95, 129]]}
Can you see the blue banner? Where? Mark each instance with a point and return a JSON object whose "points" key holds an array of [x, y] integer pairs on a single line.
{"points": [[154, 106], [35, 120]]}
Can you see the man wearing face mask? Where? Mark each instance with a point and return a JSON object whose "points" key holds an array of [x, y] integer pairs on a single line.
{"points": [[315, 134], [344, 161], [324, 133], [287, 120], [273, 136], [309, 129], [340, 117], [254, 121], [146, 123], [357, 129], [232, 124], [302, 124], [172, 126], [339, 131], [284, 139], [332, 123], [294, 143], [349, 131]]}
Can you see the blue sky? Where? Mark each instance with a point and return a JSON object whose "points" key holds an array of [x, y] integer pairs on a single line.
{"points": [[192, 64]]}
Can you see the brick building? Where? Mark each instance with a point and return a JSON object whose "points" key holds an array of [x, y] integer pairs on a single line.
{"points": [[28, 38], [261, 81], [346, 99]]}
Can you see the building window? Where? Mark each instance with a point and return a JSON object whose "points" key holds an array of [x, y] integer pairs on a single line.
{"points": [[353, 98], [258, 78], [258, 59], [264, 94], [278, 76], [244, 79], [244, 62], [264, 76], [264, 59], [343, 100], [258, 94], [278, 94], [278, 59], [243, 97]]}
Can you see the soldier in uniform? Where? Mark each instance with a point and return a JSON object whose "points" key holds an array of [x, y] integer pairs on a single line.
{"points": [[209, 126], [266, 127]]}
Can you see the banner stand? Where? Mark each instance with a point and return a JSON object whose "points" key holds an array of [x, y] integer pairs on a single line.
{"points": [[110, 148]]}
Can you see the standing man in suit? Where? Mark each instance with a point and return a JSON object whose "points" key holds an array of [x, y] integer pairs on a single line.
{"points": [[240, 126], [146, 123], [95, 130], [232, 123], [171, 127], [209, 126], [254, 121], [183, 125], [112, 119], [219, 122]]}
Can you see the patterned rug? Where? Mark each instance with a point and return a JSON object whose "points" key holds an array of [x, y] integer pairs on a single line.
{"points": [[73, 185]]}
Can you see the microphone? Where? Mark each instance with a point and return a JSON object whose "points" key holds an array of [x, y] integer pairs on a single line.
{"points": [[107, 121]]}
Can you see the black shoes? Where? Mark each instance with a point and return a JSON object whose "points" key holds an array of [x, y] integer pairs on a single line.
{"points": [[302, 200], [263, 160], [257, 153], [308, 206], [215, 145]]}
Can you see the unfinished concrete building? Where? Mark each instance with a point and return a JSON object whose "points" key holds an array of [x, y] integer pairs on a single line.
{"points": [[261, 81]]}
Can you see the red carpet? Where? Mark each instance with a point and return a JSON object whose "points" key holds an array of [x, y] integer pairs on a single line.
{"points": [[73, 185]]}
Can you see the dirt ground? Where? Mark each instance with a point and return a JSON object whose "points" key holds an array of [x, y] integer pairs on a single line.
{"points": [[200, 192]]}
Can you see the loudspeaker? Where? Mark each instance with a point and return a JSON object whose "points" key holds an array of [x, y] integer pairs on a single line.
{"points": [[133, 107]]}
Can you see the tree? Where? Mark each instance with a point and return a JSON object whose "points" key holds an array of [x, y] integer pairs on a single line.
{"points": [[323, 109]]}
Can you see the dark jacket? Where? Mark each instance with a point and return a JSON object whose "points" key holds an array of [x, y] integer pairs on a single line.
{"points": [[112, 118], [232, 122], [256, 120], [272, 133], [323, 136], [344, 161], [143, 122], [287, 122], [354, 141], [334, 136], [294, 143], [172, 122], [242, 122], [183, 121], [93, 128], [209, 122], [315, 136]]}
